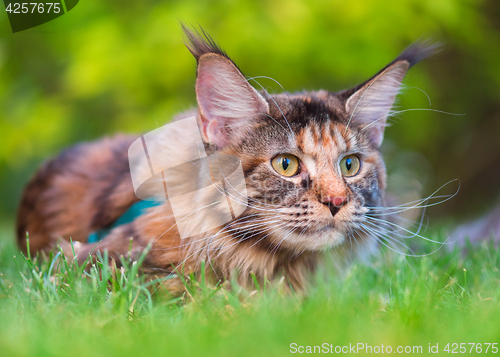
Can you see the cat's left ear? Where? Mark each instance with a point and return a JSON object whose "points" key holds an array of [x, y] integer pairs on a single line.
{"points": [[370, 103]]}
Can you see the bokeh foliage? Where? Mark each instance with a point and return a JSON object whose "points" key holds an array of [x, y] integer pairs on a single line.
{"points": [[121, 66]]}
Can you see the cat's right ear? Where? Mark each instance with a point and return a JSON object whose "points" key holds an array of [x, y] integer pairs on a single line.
{"points": [[227, 103]]}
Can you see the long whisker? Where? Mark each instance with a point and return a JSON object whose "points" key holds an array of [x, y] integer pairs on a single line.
{"points": [[190, 241], [191, 255], [404, 229], [377, 236], [367, 105], [275, 249], [418, 203], [409, 110], [304, 249]]}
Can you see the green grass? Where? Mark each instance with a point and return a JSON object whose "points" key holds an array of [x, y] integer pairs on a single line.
{"points": [[54, 308]]}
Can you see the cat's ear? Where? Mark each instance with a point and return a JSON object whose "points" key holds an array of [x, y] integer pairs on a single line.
{"points": [[370, 103], [227, 103]]}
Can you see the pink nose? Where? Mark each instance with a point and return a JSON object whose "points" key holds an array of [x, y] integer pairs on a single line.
{"points": [[339, 201], [336, 201]]}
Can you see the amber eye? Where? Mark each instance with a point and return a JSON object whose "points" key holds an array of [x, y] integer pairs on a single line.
{"points": [[285, 164], [350, 165]]}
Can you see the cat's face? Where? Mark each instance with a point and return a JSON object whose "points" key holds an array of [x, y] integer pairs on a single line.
{"points": [[312, 160], [311, 181]]}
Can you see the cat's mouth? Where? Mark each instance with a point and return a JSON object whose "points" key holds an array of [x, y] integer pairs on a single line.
{"points": [[314, 237], [323, 229]]}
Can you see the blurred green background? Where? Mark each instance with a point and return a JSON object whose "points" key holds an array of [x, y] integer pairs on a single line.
{"points": [[121, 66]]}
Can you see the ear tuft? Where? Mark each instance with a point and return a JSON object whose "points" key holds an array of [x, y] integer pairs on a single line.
{"points": [[200, 43], [418, 51]]}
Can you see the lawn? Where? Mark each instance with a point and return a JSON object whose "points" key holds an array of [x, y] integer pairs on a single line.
{"points": [[53, 308]]}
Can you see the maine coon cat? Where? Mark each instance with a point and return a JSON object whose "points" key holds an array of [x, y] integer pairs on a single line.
{"points": [[311, 160]]}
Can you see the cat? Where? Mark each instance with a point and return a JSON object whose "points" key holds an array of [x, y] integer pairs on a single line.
{"points": [[314, 173]]}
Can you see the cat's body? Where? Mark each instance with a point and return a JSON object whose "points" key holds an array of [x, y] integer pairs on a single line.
{"points": [[291, 222]]}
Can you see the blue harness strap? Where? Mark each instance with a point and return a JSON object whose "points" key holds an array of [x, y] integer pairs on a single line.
{"points": [[135, 211]]}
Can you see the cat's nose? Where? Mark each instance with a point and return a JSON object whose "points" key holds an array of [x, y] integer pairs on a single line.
{"points": [[334, 203]]}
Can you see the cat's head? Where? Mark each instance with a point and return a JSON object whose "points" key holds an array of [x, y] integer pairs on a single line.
{"points": [[312, 160]]}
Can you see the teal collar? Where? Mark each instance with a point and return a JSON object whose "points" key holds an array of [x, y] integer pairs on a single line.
{"points": [[136, 210]]}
